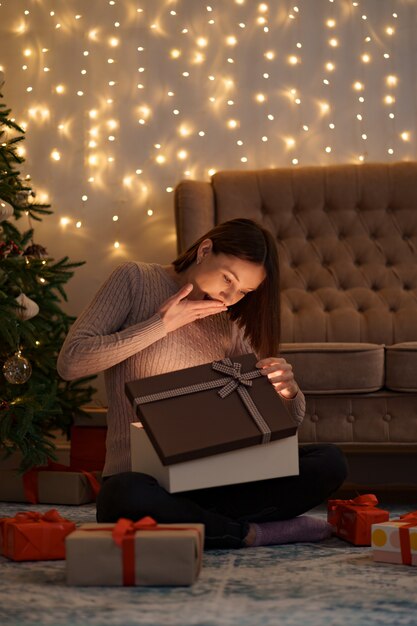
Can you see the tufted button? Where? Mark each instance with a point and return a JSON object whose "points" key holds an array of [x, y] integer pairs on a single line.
{"points": [[388, 263], [309, 288], [360, 309], [357, 262], [309, 237], [294, 310], [350, 418], [406, 287], [314, 418], [393, 309], [342, 236], [372, 235], [374, 287], [387, 417]]}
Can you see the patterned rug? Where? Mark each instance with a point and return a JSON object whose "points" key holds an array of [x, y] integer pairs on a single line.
{"points": [[325, 584]]}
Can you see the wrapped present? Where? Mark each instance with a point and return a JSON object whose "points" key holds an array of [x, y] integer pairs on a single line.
{"points": [[50, 484], [31, 536], [88, 447], [353, 519], [396, 541], [214, 424], [134, 553]]}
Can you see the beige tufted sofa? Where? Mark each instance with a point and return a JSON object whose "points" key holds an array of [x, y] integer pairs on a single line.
{"points": [[347, 241]]}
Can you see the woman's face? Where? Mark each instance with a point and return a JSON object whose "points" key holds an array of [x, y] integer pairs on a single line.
{"points": [[223, 277]]}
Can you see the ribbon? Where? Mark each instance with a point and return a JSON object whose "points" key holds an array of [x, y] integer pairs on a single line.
{"points": [[31, 483], [368, 499], [123, 534], [404, 532], [51, 516], [409, 517], [235, 381]]}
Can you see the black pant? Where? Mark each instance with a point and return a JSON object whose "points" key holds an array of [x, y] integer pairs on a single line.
{"points": [[226, 511]]}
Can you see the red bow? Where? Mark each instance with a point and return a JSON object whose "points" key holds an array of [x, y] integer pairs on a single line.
{"points": [[368, 499], [409, 517], [33, 516], [126, 527]]}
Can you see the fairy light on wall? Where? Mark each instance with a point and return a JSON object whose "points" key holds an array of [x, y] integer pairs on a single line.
{"points": [[256, 92]]}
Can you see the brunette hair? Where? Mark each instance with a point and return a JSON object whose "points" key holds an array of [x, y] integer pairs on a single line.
{"points": [[258, 313]]}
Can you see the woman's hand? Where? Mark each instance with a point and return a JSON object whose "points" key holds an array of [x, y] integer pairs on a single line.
{"points": [[280, 374], [177, 311]]}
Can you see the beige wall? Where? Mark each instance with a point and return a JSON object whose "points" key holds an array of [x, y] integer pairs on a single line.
{"points": [[292, 123]]}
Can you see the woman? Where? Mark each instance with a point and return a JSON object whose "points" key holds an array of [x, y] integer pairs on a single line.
{"points": [[220, 298]]}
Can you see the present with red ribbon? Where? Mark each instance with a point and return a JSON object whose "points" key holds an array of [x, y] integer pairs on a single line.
{"points": [[50, 484], [134, 553], [353, 519], [396, 541], [33, 536]]}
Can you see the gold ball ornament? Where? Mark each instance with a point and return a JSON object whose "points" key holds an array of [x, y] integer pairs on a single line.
{"points": [[17, 369]]}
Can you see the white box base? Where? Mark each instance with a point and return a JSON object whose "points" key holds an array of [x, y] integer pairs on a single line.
{"points": [[260, 462]]}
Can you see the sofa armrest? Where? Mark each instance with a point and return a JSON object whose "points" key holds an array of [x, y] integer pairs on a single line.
{"points": [[194, 211]]}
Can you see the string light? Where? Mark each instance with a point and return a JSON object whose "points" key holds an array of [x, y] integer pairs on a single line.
{"points": [[208, 87]]}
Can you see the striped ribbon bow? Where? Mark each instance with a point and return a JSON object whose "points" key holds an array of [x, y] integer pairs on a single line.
{"points": [[235, 380]]}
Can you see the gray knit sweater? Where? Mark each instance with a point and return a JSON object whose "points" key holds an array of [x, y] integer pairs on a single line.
{"points": [[121, 333]]}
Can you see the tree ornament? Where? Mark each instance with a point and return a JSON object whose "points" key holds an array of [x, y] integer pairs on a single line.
{"points": [[6, 210], [36, 251], [23, 197], [17, 369], [27, 307], [9, 247]]}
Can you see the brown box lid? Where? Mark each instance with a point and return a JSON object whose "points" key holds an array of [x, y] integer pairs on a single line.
{"points": [[201, 424]]}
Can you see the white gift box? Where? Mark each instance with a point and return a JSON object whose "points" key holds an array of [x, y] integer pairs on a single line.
{"points": [[259, 462]]}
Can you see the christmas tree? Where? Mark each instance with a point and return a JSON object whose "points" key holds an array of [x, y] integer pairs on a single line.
{"points": [[34, 401]]}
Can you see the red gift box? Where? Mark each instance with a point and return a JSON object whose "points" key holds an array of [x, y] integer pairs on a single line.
{"points": [[31, 536], [352, 519], [88, 447]]}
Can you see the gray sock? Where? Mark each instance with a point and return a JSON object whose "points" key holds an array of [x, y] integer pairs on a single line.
{"points": [[302, 528]]}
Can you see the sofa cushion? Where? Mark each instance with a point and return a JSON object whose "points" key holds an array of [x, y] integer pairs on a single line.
{"points": [[401, 366], [329, 368], [347, 243]]}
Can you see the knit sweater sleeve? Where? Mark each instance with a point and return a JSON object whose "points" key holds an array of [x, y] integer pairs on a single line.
{"points": [[97, 339], [295, 406]]}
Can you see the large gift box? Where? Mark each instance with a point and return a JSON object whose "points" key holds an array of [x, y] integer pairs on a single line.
{"points": [[396, 541], [51, 484], [353, 519], [31, 536], [215, 424], [134, 553]]}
